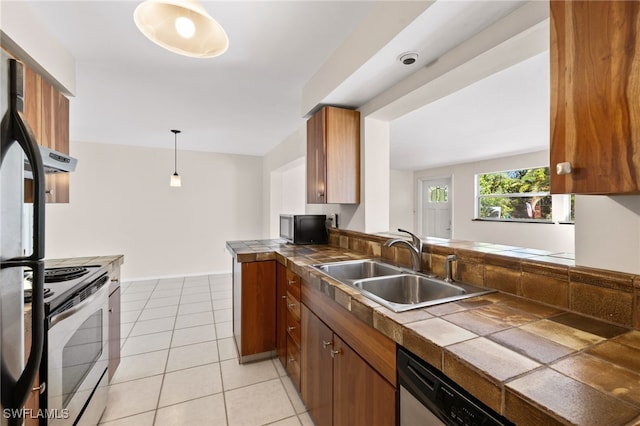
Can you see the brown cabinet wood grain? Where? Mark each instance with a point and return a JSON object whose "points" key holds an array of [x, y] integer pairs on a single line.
{"points": [[281, 313], [47, 111], [288, 329], [254, 309], [595, 96], [333, 156], [114, 321], [317, 368], [338, 386]]}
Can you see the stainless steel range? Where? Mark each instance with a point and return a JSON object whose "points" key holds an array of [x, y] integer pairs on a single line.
{"points": [[75, 345]]}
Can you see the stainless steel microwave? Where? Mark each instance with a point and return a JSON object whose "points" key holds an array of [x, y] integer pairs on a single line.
{"points": [[304, 228]]}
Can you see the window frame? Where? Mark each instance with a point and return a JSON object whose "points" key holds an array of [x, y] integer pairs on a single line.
{"points": [[479, 197]]}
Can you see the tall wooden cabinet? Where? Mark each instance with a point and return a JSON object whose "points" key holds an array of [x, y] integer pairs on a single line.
{"points": [[333, 156], [339, 387], [47, 111], [595, 96]]}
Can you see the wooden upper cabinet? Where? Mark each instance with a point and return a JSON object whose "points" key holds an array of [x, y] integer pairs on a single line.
{"points": [[47, 111], [595, 96], [333, 156]]}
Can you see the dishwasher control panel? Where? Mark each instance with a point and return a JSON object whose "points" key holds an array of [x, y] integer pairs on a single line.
{"points": [[427, 394]]}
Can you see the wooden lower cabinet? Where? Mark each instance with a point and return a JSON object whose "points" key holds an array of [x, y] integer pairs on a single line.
{"points": [[338, 386], [254, 317], [288, 329], [114, 332]]}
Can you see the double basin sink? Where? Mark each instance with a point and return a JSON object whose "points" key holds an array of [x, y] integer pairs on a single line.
{"points": [[397, 288]]}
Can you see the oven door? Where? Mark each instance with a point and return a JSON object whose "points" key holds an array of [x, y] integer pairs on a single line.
{"points": [[77, 359]]}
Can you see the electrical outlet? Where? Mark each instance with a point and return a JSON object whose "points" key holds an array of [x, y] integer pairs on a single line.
{"points": [[333, 218]]}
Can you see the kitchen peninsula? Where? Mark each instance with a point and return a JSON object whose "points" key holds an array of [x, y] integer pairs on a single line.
{"points": [[534, 352]]}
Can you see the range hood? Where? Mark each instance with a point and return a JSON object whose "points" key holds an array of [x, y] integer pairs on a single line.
{"points": [[54, 162]]}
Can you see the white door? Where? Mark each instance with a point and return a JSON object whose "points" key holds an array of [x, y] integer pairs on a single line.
{"points": [[436, 208]]}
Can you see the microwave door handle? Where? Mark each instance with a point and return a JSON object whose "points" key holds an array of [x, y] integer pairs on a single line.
{"points": [[15, 392]]}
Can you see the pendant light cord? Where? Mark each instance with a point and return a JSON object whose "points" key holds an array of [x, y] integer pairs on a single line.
{"points": [[175, 157]]}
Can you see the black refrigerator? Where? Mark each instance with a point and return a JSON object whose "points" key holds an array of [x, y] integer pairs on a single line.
{"points": [[17, 147]]}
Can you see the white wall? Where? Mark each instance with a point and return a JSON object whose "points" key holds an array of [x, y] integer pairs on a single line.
{"points": [[401, 200], [608, 232], [553, 237], [121, 203]]}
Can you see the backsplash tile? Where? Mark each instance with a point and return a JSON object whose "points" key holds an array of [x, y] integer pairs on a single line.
{"points": [[551, 279]]}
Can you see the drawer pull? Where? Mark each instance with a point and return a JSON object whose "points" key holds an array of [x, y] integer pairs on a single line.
{"points": [[291, 360], [284, 297], [291, 305], [335, 352], [290, 328], [325, 344], [292, 282]]}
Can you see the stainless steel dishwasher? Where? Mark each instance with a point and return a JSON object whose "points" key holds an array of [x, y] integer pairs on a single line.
{"points": [[428, 397]]}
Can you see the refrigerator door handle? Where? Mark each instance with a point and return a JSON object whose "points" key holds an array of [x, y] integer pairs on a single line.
{"points": [[20, 131], [15, 392]]}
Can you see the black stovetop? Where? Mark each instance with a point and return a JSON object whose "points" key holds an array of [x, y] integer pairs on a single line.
{"points": [[61, 283]]}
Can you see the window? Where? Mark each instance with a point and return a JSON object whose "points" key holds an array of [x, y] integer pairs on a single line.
{"points": [[514, 195], [438, 194]]}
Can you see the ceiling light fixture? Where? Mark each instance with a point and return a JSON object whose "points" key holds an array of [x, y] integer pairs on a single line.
{"points": [[175, 177], [181, 26]]}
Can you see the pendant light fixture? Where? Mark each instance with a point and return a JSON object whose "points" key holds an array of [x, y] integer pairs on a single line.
{"points": [[175, 177], [181, 26]]}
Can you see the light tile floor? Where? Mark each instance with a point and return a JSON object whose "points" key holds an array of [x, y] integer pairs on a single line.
{"points": [[179, 364]]}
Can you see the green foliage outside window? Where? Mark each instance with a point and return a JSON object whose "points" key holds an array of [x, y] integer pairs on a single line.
{"points": [[515, 194]]}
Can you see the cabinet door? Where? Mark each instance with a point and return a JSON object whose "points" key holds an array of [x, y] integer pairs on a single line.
{"points": [[317, 366], [342, 146], [114, 331], [47, 111], [258, 306], [281, 313], [360, 395], [316, 159], [595, 96]]}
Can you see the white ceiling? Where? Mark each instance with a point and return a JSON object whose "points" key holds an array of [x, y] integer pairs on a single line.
{"points": [[130, 91]]}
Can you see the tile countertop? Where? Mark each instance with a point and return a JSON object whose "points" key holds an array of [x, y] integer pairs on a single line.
{"points": [[535, 364]]}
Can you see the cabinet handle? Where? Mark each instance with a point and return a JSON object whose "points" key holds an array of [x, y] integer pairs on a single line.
{"points": [[290, 360], [48, 191], [284, 297], [291, 305], [320, 194], [325, 344], [291, 328], [292, 282], [335, 352], [40, 389], [114, 280], [563, 168]]}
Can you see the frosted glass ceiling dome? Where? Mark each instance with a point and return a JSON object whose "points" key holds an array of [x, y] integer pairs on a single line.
{"points": [[183, 27]]}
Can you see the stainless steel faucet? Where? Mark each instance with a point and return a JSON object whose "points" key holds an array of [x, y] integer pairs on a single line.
{"points": [[415, 248], [448, 270]]}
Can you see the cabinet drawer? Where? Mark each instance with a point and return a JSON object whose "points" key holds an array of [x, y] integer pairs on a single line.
{"points": [[293, 362], [293, 306], [293, 284], [293, 329]]}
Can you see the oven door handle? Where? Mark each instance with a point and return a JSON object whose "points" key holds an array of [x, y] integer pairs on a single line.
{"points": [[56, 318]]}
